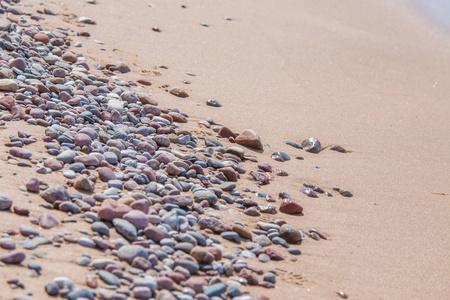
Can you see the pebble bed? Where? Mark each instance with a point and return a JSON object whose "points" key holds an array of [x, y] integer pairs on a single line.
{"points": [[157, 225]]}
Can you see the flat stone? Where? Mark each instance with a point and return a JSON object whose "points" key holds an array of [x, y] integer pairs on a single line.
{"points": [[8, 85], [13, 257], [106, 174], [109, 278], [214, 290], [126, 229], [20, 152], [179, 92], [209, 196], [213, 224], [180, 200], [242, 231], [290, 207], [155, 233], [290, 234]]}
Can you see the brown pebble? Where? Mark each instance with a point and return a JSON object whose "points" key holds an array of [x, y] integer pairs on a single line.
{"points": [[21, 211], [91, 281], [338, 149]]}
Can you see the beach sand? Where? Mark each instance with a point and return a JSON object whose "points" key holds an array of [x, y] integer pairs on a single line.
{"points": [[372, 77]]}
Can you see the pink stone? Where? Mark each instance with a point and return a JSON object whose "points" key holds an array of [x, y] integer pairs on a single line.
{"points": [[33, 185], [229, 173], [53, 164], [142, 205], [106, 174], [82, 139], [111, 209], [41, 37], [250, 139], [290, 207], [137, 218]]}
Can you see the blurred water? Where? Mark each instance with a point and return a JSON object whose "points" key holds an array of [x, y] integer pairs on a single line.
{"points": [[438, 10]]}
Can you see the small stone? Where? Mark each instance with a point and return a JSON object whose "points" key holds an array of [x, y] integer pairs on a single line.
{"points": [[128, 253], [126, 229], [338, 149], [137, 218], [175, 91], [109, 278], [5, 202], [274, 254], [216, 289], [155, 233], [242, 231], [252, 211], [13, 257], [20, 152], [199, 196], [250, 139], [47, 221], [84, 184], [180, 200], [53, 164], [111, 209], [213, 103], [231, 236], [312, 145], [82, 139], [290, 207], [54, 193], [143, 292], [213, 224], [8, 85], [294, 251], [7, 243], [106, 174], [7, 101], [41, 37]]}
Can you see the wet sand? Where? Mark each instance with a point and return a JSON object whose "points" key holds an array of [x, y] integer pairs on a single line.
{"points": [[371, 77]]}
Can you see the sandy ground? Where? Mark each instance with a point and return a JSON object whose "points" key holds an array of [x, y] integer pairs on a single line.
{"points": [[372, 77]]}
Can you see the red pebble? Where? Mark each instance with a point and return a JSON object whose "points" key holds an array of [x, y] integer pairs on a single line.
{"points": [[290, 207]]}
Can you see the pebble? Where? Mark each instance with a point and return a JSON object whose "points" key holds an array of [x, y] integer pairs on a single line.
{"points": [[128, 253], [7, 243], [312, 145], [13, 257], [290, 207], [125, 228], [294, 251], [290, 234], [5, 202], [213, 103], [162, 188], [250, 139]]}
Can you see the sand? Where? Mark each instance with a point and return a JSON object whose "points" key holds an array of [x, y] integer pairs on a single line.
{"points": [[372, 77]]}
